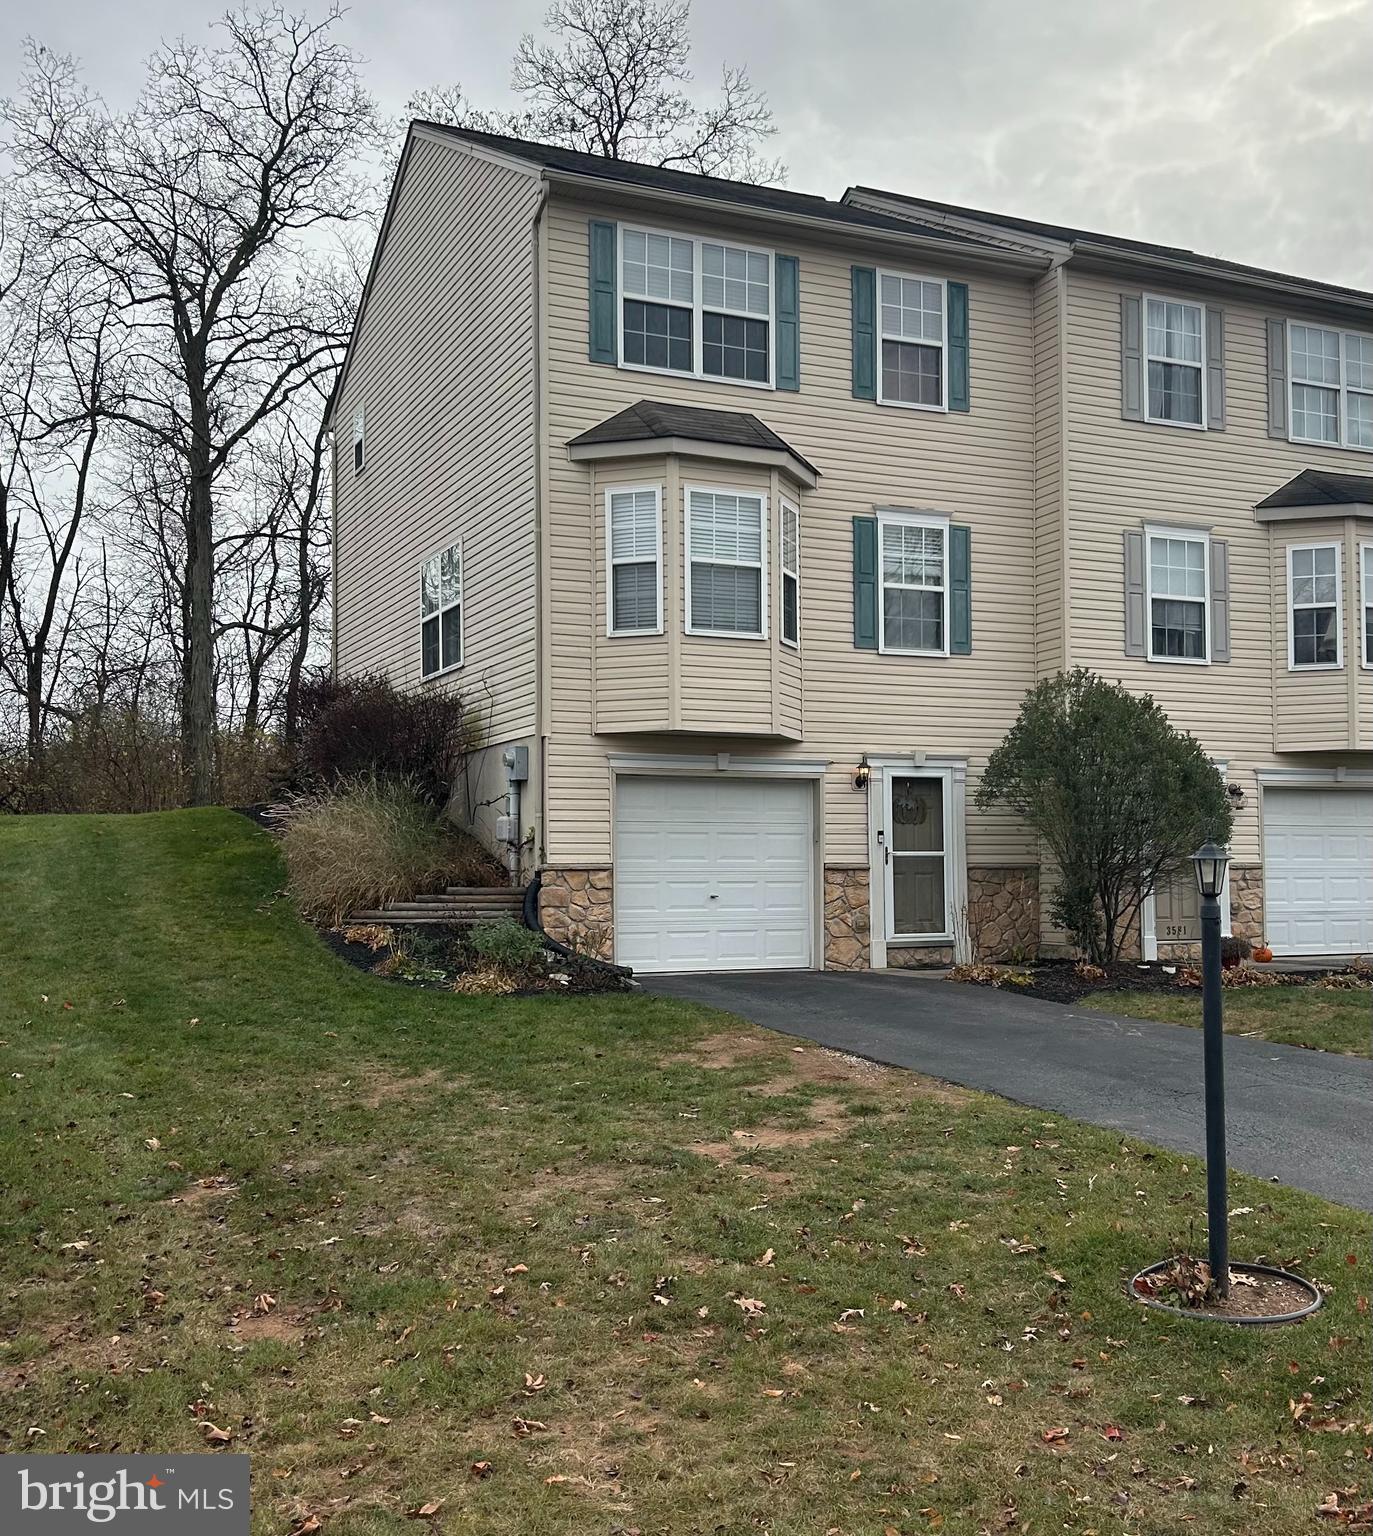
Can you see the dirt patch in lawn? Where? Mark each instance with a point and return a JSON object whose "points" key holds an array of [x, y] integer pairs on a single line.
{"points": [[727, 1049], [381, 1088], [829, 1119], [204, 1189], [282, 1327]]}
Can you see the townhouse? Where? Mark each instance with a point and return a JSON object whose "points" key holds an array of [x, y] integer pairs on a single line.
{"points": [[745, 519]]}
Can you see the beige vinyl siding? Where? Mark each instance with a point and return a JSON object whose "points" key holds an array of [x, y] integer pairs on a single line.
{"points": [[1050, 467], [443, 365], [978, 468], [1125, 474]]}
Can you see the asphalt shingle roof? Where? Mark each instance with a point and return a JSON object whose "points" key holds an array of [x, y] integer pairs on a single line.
{"points": [[651, 420], [1321, 487], [690, 184]]}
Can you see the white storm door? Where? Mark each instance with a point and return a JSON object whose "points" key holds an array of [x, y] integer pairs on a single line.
{"points": [[915, 856]]}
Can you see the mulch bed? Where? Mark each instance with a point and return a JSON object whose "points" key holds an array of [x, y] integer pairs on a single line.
{"points": [[436, 957], [1255, 1295], [1059, 981]]}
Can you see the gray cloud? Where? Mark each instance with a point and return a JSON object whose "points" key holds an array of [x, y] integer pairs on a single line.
{"points": [[1243, 128]]}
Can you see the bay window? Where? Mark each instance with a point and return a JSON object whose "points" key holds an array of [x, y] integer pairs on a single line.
{"points": [[1313, 605], [791, 574], [634, 556], [726, 576]]}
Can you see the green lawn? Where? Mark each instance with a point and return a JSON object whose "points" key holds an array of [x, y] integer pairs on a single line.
{"points": [[579, 1265], [1311, 1016]]}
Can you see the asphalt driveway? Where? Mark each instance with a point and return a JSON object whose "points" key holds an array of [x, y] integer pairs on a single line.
{"points": [[1303, 1118]]}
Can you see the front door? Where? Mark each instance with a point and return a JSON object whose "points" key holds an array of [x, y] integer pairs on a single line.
{"points": [[915, 857]]}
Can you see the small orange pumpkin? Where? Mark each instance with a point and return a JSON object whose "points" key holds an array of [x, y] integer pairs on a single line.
{"points": [[1262, 953]]}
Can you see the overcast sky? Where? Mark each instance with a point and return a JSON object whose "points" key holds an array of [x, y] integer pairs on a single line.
{"points": [[1242, 128]]}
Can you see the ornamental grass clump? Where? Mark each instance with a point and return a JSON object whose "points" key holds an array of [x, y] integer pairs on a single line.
{"points": [[371, 842]]}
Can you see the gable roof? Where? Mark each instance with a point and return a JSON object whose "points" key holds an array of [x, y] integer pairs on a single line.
{"points": [[674, 428], [1084, 241], [1321, 488]]}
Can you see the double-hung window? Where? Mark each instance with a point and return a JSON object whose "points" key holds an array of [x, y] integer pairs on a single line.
{"points": [[912, 331], [726, 567], [791, 574], [441, 611], [1331, 386], [634, 535], [1179, 601], [1314, 607], [914, 572], [1175, 359], [1366, 599], [699, 307]]}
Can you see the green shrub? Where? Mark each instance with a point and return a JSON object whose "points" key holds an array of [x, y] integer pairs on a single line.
{"points": [[505, 945], [372, 842]]}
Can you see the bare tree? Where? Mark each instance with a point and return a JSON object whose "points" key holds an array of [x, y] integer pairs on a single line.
{"points": [[613, 82], [59, 336], [207, 205]]}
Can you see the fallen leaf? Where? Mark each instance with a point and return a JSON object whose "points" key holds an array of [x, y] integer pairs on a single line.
{"points": [[765, 1261], [750, 1306], [264, 1303], [1055, 1436], [516, 1269], [424, 1511], [1111, 1432], [213, 1434], [480, 1469]]}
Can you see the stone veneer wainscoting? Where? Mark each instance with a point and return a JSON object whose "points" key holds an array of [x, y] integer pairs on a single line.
{"points": [[577, 907], [847, 925]]}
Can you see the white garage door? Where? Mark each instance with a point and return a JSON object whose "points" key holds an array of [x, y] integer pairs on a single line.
{"points": [[1318, 871], [712, 874]]}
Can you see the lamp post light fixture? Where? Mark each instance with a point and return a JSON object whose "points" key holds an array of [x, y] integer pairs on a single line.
{"points": [[1210, 862]]}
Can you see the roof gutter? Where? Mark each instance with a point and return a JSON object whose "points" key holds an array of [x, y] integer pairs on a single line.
{"points": [[1114, 256], [995, 258]]}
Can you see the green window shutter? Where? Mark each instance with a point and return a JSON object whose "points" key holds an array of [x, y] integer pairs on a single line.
{"points": [[788, 323], [601, 319], [864, 334], [865, 583], [960, 392], [960, 591]]}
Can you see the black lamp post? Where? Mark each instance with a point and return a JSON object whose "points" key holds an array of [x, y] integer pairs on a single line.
{"points": [[1210, 862]]}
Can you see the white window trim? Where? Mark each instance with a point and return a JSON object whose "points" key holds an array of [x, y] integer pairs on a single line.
{"points": [[611, 562], [460, 605], [1317, 666], [697, 306], [1342, 391], [942, 344], [1166, 421], [1158, 531], [795, 574], [1365, 603], [359, 441], [920, 520], [761, 565]]}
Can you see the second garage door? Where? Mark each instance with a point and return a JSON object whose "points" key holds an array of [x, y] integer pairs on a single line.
{"points": [[713, 874], [1318, 871]]}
